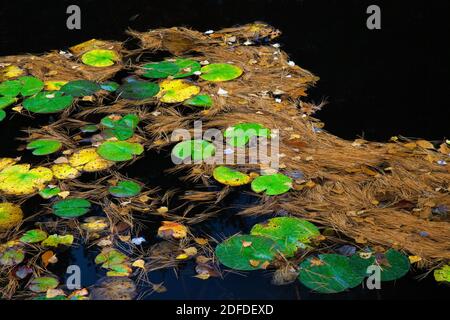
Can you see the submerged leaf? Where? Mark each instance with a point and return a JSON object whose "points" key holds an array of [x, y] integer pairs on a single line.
{"points": [[11, 257], [125, 189], [42, 284], [138, 90], [10, 215]]}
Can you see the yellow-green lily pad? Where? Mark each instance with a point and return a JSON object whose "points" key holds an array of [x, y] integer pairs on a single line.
{"points": [[100, 58], [230, 177], [220, 72]]}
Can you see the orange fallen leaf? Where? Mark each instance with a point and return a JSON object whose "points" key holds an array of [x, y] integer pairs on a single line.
{"points": [[246, 244], [171, 229], [48, 257]]}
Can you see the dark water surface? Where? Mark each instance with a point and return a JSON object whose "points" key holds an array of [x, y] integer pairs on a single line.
{"points": [[378, 84]]}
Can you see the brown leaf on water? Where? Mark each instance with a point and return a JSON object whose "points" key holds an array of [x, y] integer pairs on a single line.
{"points": [[246, 244], [48, 257], [425, 144]]}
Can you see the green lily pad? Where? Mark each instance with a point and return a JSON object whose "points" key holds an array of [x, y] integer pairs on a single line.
{"points": [[394, 265], [49, 192], [43, 284], [48, 102], [201, 100], [125, 189], [44, 297], [34, 236], [71, 208], [43, 147], [289, 233], [196, 150], [186, 67], [239, 135], [11, 257], [246, 252], [119, 150], [220, 72], [100, 58], [55, 240], [109, 86], [442, 274], [89, 128], [110, 257], [273, 184], [6, 101], [30, 85], [10, 215], [230, 177], [123, 128], [160, 70], [2, 114], [138, 90], [328, 273], [10, 88], [80, 88]]}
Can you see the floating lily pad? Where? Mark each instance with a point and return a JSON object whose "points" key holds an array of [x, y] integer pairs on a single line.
{"points": [[442, 274], [100, 58], [34, 236], [246, 252], [10, 88], [239, 135], [174, 91], [160, 70], [194, 149], [393, 264], [138, 90], [11, 257], [125, 189], [186, 67], [55, 240], [119, 150], [30, 85], [109, 86], [230, 177], [44, 297], [20, 180], [289, 233], [89, 160], [64, 171], [328, 273], [123, 128], [10, 215], [110, 257], [220, 72], [42, 284], [80, 88], [273, 184], [89, 128], [71, 208], [43, 147], [2, 114], [49, 192], [201, 100], [6, 101], [48, 102]]}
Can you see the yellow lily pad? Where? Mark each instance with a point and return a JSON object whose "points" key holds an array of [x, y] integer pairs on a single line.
{"points": [[10, 215], [174, 91], [54, 85], [10, 72], [89, 160], [64, 171], [20, 180], [6, 162]]}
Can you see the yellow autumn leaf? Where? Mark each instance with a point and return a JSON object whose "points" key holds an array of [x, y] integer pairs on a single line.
{"points": [[202, 276], [10, 215], [94, 224], [86, 46], [414, 259], [88, 160], [64, 171], [10, 71], [201, 241], [20, 180], [173, 91], [182, 256], [64, 194], [6, 162], [54, 85], [191, 251], [139, 264], [171, 229]]}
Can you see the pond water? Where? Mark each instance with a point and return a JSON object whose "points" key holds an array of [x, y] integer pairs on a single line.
{"points": [[369, 79]]}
